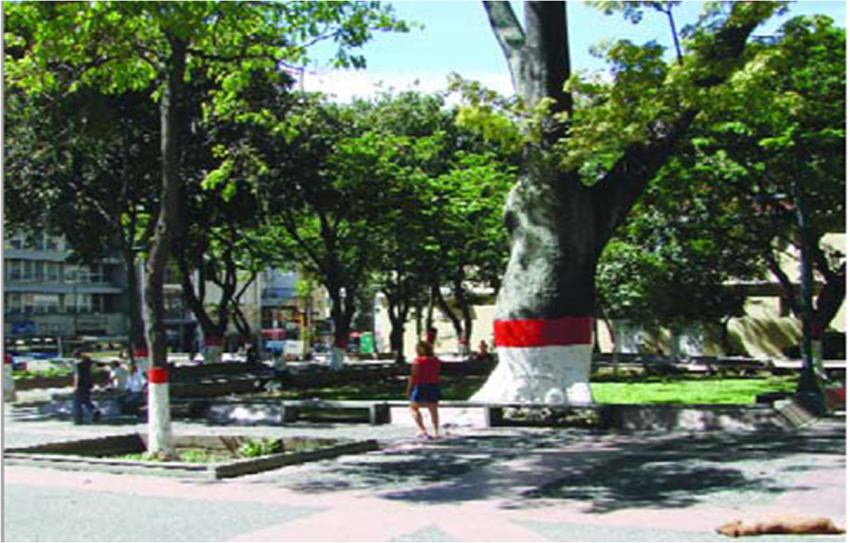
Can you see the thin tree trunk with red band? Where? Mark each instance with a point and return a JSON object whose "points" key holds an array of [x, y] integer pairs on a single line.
{"points": [[158, 375]]}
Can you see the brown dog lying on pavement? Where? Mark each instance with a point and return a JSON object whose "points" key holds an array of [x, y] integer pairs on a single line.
{"points": [[781, 524]]}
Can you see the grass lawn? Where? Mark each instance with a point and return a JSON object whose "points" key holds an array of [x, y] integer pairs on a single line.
{"points": [[691, 391], [640, 390]]}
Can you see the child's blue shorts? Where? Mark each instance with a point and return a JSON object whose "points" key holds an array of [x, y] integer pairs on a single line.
{"points": [[429, 393]]}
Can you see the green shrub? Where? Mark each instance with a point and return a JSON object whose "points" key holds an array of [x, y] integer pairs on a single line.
{"points": [[260, 447], [49, 372]]}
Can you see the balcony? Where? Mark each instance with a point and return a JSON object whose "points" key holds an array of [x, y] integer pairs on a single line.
{"points": [[59, 287]]}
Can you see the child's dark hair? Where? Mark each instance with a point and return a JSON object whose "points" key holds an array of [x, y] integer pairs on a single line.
{"points": [[423, 348]]}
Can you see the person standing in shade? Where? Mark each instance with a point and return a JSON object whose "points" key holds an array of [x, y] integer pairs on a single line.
{"points": [[83, 383], [423, 388]]}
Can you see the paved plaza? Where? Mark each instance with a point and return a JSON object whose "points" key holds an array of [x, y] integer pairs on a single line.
{"points": [[506, 484]]}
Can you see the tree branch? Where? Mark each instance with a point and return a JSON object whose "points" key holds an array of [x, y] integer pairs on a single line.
{"points": [[831, 297], [510, 35], [775, 268], [195, 302], [621, 187], [229, 58], [292, 229]]}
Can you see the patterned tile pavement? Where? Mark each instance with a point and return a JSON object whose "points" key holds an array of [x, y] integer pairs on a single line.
{"points": [[476, 485]]}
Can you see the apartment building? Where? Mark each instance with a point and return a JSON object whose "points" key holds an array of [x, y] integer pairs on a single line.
{"points": [[48, 296], [49, 299]]}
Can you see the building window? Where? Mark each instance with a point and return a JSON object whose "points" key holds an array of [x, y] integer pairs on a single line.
{"points": [[70, 273], [97, 273], [12, 270], [86, 304], [54, 272], [78, 303], [13, 302], [83, 274], [29, 271], [90, 274], [46, 303], [27, 304]]}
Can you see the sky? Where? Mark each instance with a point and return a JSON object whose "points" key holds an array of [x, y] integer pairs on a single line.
{"points": [[457, 38]]}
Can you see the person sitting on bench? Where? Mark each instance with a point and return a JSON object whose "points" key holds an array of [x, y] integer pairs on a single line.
{"points": [[134, 395]]}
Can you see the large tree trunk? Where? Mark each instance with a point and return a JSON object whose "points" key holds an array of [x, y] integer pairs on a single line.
{"points": [[544, 310], [159, 414], [558, 226]]}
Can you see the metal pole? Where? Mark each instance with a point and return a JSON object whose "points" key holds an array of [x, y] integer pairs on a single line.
{"points": [[76, 279], [810, 389]]}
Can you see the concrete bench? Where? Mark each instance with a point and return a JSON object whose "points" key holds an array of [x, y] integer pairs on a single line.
{"points": [[269, 411], [483, 415], [378, 411], [620, 417], [275, 412]]}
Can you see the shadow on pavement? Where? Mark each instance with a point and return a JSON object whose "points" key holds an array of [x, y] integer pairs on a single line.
{"points": [[644, 480], [628, 472]]}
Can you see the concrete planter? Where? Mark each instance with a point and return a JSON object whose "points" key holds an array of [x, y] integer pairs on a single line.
{"points": [[94, 455]]}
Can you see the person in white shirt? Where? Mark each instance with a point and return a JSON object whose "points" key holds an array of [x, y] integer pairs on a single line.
{"points": [[134, 396], [117, 376]]}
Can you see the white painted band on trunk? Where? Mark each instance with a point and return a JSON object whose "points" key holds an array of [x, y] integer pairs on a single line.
{"points": [[337, 359], [554, 374], [159, 419]]}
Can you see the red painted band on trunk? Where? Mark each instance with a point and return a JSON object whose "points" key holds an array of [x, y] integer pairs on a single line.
{"points": [[158, 375], [141, 352], [544, 332], [212, 341], [341, 344]]}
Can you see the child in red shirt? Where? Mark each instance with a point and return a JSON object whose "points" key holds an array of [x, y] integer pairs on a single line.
{"points": [[423, 388]]}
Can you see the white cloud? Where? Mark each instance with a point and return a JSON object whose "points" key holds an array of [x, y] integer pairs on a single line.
{"points": [[347, 84]]}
